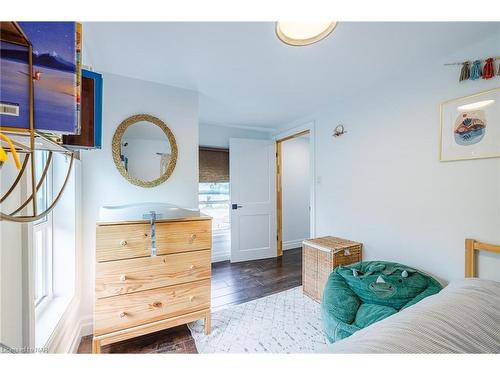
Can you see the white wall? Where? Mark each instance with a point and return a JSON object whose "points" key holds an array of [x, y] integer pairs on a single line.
{"points": [[103, 184], [382, 183], [11, 263], [218, 136], [295, 191]]}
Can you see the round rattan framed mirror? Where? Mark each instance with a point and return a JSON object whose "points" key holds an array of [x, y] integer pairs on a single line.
{"points": [[144, 150]]}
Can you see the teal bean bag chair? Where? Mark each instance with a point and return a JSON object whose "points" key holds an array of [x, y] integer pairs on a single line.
{"points": [[363, 293]]}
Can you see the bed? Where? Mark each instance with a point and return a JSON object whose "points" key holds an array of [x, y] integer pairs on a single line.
{"points": [[463, 318]]}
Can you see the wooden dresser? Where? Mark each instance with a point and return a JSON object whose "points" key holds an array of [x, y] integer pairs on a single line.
{"points": [[146, 281]]}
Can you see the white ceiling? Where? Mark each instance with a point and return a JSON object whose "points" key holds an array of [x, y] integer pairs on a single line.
{"points": [[246, 76]]}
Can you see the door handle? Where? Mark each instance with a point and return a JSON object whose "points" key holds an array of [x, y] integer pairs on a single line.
{"points": [[235, 206]]}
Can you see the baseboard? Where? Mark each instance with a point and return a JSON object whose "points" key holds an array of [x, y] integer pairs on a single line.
{"points": [[70, 329], [220, 258], [59, 341], [287, 245], [84, 328], [77, 337]]}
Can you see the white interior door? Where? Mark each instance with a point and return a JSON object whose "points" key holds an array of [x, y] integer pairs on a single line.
{"points": [[253, 210]]}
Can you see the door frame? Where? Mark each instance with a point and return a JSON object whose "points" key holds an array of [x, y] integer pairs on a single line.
{"points": [[296, 132]]}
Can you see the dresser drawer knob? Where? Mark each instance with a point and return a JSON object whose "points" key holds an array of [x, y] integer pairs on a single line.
{"points": [[191, 298], [157, 304], [123, 314], [192, 267], [123, 277], [123, 243], [193, 237]]}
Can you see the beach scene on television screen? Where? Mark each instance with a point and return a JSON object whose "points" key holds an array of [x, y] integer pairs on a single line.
{"points": [[54, 74]]}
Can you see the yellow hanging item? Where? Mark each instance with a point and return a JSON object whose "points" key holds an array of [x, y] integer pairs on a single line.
{"points": [[3, 154]]}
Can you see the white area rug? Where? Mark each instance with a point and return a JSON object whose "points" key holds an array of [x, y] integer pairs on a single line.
{"points": [[285, 322]]}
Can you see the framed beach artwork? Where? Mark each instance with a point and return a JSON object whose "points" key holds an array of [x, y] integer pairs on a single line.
{"points": [[56, 78], [56, 75], [14, 86], [470, 127]]}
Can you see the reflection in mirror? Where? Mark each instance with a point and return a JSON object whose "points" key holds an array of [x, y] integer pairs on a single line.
{"points": [[145, 151]]}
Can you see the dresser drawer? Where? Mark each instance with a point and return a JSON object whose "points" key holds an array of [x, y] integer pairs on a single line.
{"points": [[183, 236], [125, 241], [122, 241], [125, 311], [133, 275]]}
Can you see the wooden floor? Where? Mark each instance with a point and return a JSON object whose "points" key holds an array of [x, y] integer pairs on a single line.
{"points": [[232, 284]]}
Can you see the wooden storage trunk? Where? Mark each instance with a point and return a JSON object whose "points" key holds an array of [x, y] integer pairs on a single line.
{"points": [[320, 256]]}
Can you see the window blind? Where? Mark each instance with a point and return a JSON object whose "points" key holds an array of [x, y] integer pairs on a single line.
{"points": [[214, 164]]}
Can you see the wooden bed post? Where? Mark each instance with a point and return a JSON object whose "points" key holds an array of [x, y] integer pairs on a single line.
{"points": [[471, 247], [470, 266]]}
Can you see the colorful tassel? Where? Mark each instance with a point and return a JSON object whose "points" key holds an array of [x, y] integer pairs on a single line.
{"points": [[475, 71], [465, 72], [488, 69]]}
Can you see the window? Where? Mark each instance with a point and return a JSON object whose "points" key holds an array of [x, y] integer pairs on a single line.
{"points": [[42, 235], [214, 198], [42, 260], [54, 250], [42, 196], [214, 201], [214, 186]]}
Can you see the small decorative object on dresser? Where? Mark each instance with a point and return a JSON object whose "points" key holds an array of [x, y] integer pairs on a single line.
{"points": [[151, 275], [320, 256]]}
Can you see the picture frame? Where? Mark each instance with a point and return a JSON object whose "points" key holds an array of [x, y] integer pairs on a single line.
{"points": [[90, 136], [56, 74], [470, 127]]}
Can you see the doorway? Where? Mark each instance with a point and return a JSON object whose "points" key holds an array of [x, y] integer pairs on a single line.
{"points": [[293, 190]]}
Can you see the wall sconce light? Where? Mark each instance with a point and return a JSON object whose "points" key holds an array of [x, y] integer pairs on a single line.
{"points": [[339, 130]]}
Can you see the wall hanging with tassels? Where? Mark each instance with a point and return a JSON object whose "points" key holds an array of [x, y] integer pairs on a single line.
{"points": [[465, 72], [488, 70], [476, 69]]}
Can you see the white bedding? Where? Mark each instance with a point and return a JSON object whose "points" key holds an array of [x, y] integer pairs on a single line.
{"points": [[463, 318]]}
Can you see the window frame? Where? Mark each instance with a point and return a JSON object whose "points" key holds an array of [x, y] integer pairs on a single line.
{"points": [[215, 229], [45, 227]]}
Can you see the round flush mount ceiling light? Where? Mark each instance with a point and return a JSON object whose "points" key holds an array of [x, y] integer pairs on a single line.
{"points": [[303, 33]]}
